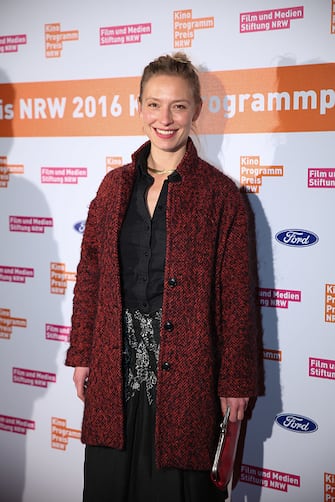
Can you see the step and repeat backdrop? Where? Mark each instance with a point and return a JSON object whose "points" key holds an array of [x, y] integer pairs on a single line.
{"points": [[69, 80]]}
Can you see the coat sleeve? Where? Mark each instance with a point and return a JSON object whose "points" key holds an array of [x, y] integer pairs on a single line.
{"points": [[239, 337], [85, 298]]}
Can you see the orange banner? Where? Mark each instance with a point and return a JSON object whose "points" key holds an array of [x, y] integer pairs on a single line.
{"points": [[262, 100]]}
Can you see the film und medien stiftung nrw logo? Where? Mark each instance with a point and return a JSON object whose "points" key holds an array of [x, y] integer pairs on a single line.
{"points": [[296, 237], [296, 423]]}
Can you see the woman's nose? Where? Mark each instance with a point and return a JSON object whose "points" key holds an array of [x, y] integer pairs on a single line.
{"points": [[166, 116]]}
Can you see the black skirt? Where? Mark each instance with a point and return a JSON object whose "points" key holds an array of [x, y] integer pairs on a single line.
{"points": [[131, 475]]}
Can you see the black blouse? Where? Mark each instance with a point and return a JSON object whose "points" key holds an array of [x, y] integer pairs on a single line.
{"points": [[142, 244]]}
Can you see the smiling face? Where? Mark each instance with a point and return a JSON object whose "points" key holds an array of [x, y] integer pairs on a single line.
{"points": [[167, 110]]}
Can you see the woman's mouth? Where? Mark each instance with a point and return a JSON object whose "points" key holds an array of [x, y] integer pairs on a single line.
{"points": [[165, 133]]}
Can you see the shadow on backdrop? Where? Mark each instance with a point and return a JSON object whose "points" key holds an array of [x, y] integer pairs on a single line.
{"points": [[257, 427], [26, 348]]}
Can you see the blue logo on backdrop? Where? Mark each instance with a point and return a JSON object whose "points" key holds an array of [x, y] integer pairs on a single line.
{"points": [[296, 237], [80, 226], [296, 423]]}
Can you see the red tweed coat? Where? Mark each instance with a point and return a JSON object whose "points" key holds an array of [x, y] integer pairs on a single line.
{"points": [[211, 350]]}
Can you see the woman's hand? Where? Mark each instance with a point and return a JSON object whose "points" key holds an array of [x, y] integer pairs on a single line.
{"points": [[80, 378], [237, 406]]}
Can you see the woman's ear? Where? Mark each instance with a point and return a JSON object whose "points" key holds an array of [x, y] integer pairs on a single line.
{"points": [[197, 111], [139, 105]]}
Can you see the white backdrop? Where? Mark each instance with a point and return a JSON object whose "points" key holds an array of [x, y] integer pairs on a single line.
{"points": [[69, 74]]}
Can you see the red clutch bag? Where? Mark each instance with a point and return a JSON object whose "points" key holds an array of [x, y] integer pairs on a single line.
{"points": [[224, 459]]}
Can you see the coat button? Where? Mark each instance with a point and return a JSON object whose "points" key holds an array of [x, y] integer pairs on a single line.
{"points": [[168, 326], [172, 282], [166, 366]]}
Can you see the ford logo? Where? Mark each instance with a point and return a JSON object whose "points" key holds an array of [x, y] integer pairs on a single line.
{"points": [[296, 423], [80, 226], [296, 237]]}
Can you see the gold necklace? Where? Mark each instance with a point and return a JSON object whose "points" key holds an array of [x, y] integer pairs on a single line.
{"points": [[158, 171]]}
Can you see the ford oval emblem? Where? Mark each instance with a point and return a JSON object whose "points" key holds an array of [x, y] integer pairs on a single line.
{"points": [[296, 423], [80, 226], [296, 237]]}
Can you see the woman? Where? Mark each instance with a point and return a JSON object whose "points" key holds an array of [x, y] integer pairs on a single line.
{"points": [[163, 328]]}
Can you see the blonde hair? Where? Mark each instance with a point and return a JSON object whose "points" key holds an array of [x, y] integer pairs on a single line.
{"points": [[178, 64]]}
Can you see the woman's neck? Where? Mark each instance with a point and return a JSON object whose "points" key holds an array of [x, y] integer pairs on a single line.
{"points": [[164, 162]]}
